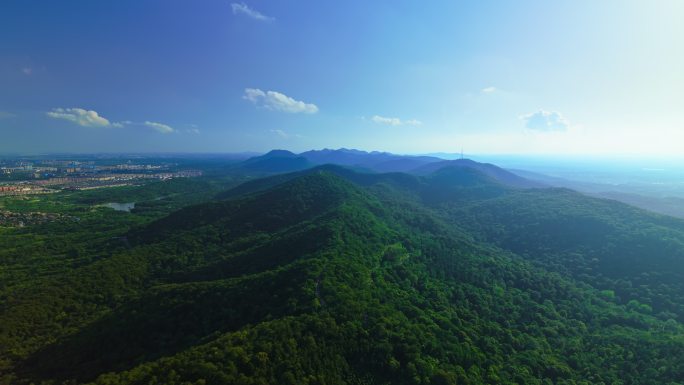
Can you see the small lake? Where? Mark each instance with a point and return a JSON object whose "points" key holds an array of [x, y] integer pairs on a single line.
{"points": [[121, 206]]}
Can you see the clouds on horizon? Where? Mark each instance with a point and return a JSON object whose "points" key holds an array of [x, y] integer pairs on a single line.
{"points": [[280, 133], [277, 101], [242, 8], [395, 121], [545, 121], [90, 118], [82, 117], [488, 90], [159, 127], [284, 135]]}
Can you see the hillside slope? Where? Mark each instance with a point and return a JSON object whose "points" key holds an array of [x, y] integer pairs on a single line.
{"points": [[335, 277], [500, 175]]}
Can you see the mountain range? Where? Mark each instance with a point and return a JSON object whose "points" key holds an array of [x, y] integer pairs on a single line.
{"points": [[453, 273], [275, 160], [280, 161]]}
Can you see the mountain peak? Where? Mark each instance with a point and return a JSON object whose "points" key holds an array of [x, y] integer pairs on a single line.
{"points": [[495, 173], [276, 161], [279, 153]]}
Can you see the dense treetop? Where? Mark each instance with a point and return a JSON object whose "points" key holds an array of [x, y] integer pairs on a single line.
{"points": [[331, 276]]}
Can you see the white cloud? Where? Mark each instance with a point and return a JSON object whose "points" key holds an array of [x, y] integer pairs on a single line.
{"points": [[285, 135], [85, 118], [279, 102], [280, 133], [395, 121], [253, 94], [27, 71], [6, 115], [545, 121], [90, 118], [242, 8], [191, 129], [488, 90], [159, 127]]}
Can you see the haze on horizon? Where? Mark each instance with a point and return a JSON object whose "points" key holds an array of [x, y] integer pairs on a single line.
{"points": [[529, 77]]}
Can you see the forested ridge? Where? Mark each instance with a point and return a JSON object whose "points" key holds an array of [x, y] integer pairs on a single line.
{"points": [[330, 276]]}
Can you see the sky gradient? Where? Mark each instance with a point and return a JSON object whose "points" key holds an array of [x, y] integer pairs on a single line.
{"points": [[507, 77]]}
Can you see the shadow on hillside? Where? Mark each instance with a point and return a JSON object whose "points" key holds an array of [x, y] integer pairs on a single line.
{"points": [[169, 319]]}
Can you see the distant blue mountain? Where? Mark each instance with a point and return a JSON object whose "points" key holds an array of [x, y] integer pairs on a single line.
{"points": [[375, 161], [496, 173], [276, 161], [282, 161]]}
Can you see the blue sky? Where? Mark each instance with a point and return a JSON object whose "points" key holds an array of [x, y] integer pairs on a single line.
{"points": [[526, 77]]}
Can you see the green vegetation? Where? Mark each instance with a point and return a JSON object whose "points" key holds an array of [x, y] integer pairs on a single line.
{"points": [[329, 276]]}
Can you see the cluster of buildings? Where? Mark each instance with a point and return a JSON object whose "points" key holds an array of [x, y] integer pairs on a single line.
{"points": [[109, 179], [42, 176], [18, 167], [22, 189], [50, 168]]}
